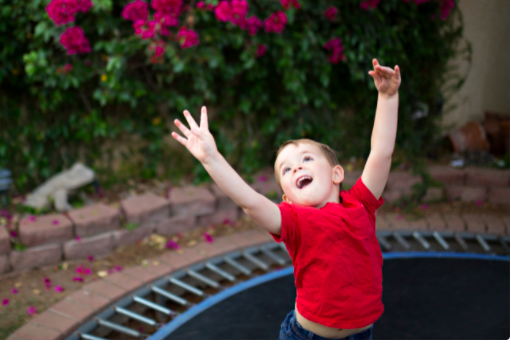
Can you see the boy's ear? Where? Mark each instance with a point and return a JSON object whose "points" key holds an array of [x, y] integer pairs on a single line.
{"points": [[338, 174]]}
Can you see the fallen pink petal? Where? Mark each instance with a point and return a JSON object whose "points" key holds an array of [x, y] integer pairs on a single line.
{"points": [[172, 244], [78, 239], [55, 222], [90, 258], [31, 218], [117, 268], [208, 237], [87, 271], [424, 206], [59, 289], [479, 203], [31, 310], [78, 278], [14, 234], [79, 270], [399, 217], [227, 222], [14, 291]]}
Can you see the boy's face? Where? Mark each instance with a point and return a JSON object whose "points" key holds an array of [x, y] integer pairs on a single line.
{"points": [[319, 186]]}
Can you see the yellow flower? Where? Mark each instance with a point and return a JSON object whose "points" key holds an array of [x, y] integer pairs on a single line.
{"points": [[103, 77], [156, 121]]}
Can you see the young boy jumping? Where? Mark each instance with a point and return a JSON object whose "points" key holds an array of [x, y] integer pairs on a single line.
{"points": [[329, 234]]}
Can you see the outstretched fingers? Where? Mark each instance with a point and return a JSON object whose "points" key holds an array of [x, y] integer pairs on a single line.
{"points": [[190, 120], [204, 118]]}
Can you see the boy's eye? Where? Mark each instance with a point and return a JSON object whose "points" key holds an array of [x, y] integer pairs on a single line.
{"points": [[305, 158]]}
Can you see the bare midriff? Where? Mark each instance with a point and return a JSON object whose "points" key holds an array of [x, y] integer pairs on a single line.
{"points": [[324, 331]]}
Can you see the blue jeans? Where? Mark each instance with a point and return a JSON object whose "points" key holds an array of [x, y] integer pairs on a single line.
{"points": [[292, 330]]}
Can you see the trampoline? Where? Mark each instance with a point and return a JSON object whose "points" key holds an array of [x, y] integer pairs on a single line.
{"points": [[426, 296]]}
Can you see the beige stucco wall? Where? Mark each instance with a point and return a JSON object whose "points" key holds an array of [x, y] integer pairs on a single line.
{"points": [[486, 26]]}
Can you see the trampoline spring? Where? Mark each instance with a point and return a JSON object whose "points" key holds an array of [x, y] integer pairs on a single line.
{"points": [[153, 305], [238, 266], [384, 243], [118, 327], [270, 254], [483, 243], [169, 295], [86, 336], [187, 287], [256, 261], [421, 240], [461, 242], [401, 240], [135, 316], [220, 272], [440, 240], [202, 278], [503, 243]]}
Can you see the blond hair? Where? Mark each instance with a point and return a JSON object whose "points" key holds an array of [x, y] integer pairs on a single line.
{"points": [[328, 153]]}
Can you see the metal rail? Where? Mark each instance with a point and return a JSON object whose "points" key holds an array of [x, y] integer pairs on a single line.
{"points": [[141, 313]]}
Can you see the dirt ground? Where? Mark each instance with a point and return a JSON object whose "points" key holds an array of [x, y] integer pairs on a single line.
{"points": [[31, 290]]}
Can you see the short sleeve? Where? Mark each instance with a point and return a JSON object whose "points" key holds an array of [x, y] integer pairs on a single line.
{"points": [[362, 194], [289, 223]]}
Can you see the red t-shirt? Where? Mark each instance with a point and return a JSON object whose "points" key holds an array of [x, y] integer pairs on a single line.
{"points": [[337, 259]]}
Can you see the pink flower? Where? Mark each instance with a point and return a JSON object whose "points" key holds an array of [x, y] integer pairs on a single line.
{"points": [[239, 11], [276, 22], [445, 8], [90, 258], [368, 4], [335, 46], [286, 3], [331, 13], [14, 291], [261, 50], [77, 278], [5, 302], [31, 310], [208, 238], [223, 11], [84, 5], [252, 24], [187, 38], [59, 289], [75, 42], [167, 6], [136, 10], [165, 19], [159, 51], [13, 234], [201, 5], [31, 218], [172, 244], [62, 11]]}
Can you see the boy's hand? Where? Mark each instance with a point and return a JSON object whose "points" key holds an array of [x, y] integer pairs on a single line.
{"points": [[386, 80], [200, 142]]}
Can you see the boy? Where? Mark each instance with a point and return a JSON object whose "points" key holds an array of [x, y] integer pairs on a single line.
{"points": [[329, 234]]}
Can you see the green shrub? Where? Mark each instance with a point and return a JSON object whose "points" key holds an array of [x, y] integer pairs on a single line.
{"points": [[53, 115]]}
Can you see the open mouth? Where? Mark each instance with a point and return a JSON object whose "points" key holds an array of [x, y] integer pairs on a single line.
{"points": [[303, 181]]}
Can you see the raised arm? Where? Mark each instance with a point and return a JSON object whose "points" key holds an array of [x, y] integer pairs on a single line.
{"points": [[377, 168], [201, 144]]}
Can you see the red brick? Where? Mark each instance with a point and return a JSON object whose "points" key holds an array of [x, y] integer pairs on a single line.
{"points": [[43, 231], [145, 275], [391, 196], [180, 260], [5, 243], [94, 219], [126, 237], [467, 193], [33, 332], [401, 180], [55, 321], [4, 264], [433, 194], [447, 175], [257, 236], [124, 281], [477, 176], [98, 245], [218, 247], [218, 217], [145, 209], [105, 289], [475, 223], [418, 225], [89, 299], [73, 309], [435, 222], [177, 224], [35, 257], [454, 223], [224, 202], [397, 222], [495, 225], [161, 269], [382, 224], [191, 200], [498, 195]]}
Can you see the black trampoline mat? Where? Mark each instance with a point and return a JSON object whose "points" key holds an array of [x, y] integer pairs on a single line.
{"points": [[424, 299]]}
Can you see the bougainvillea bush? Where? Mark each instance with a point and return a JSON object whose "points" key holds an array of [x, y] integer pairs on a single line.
{"points": [[77, 74]]}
